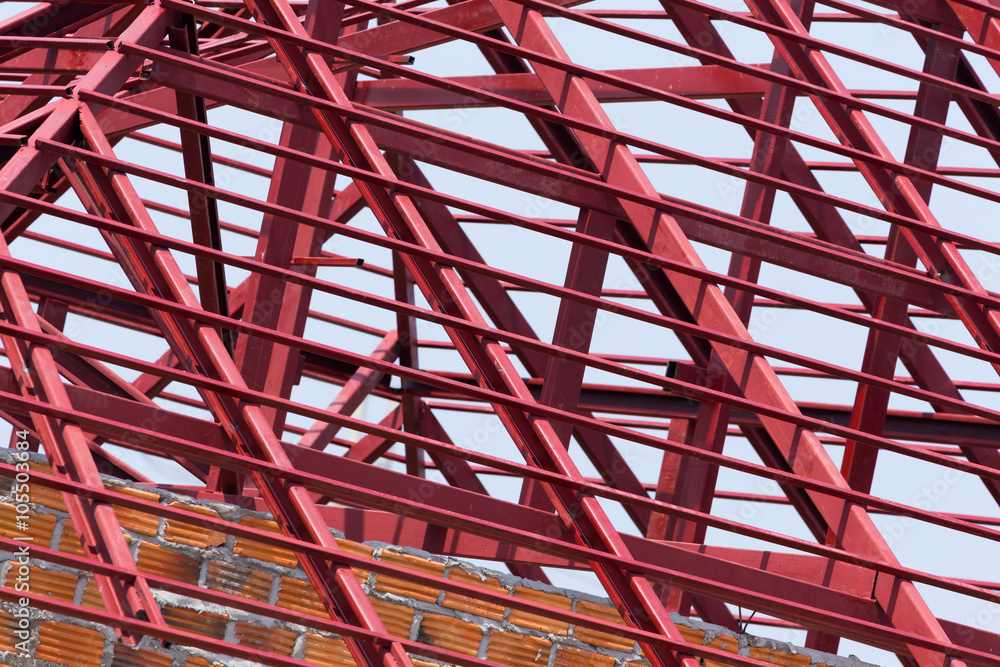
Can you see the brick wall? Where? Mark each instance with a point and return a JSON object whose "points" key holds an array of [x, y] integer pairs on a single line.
{"points": [[214, 559]]}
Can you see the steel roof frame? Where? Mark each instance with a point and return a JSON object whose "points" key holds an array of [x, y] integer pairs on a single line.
{"points": [[85, 82]]}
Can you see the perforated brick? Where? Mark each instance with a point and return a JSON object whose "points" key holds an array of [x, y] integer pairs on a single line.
{"points": [[450, 633], [51, 583], [137, 522], [779, 658], [299, 595], [240, 580], [331, 651], [126, 656], [254, 549], [357, 549], [534, 621], [409, 589], [567, 656], [510, 648], [397, 619], [198, 661], [42, 495], [8, 624], [691, 635], [470, 604], [201, 622], [596, 637], [70, 541], [272, 640], [92, 596], [40, 526], [516, 643], [69, 645], [191, 535], [168, 563]]}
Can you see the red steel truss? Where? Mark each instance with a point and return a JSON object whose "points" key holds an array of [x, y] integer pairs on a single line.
{"points": [[282, 248]]}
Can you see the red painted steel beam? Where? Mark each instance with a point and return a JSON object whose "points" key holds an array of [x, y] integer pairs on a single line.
{"points": [[197, 151], [916, 356], [504, 312], [674, 265], [695, 82], [811, 263], [882, 350]]}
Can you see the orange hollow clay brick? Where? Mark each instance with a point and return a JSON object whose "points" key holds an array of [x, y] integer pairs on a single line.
{"points": [[141, 494], [40, 526], [357, 549], [36, 466], [470, 604], [595, 637], [41, 495], [200, 622], [154, 559], [725, 643], [330, 651], [298, 595], [510, 648], [191, 535], [198, 661], [417, 662], [92, 596], [229, 578], [69, 542], [73, 645], [126, 656], [69, 645], [396, 618], [272, 640], [450, 633], [8, 624], [409, 589], [691, 634], [254, 549], [137, 522], [567, 656], [534, 621], [779, 657], [53, 583]]}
